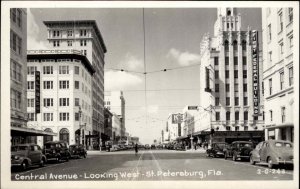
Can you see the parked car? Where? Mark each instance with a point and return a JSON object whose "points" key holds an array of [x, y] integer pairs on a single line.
{"points": [[114, 148], [147, 146], [77, 151], [57, 150], [273, 152], [239, 150], [26, 155], [217, 149]]}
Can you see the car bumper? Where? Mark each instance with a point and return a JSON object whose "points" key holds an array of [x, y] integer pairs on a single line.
{"points": [[16, 164], [285, 162], [243, 156]]}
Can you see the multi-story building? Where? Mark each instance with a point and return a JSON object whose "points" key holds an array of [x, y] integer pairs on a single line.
{"points": [[231, 99], [18, 69], [108, 130], [65, 95], [174, 126], [116, 128], [115, 102], [278, 72], [85, 36]]}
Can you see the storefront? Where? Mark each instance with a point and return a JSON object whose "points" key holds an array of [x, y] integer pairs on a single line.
{"points": [[280, 132]]}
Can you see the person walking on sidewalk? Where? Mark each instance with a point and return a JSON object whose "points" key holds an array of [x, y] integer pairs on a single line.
{"points": [[136, 149]]}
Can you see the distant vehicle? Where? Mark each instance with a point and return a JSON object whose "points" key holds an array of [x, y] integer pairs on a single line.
{"points": [[57, 150], [77, 151], [239, 150], [153, 146], [147, 146], [273, 152], [217, 149], [178, 147], [114, 148], [26, 155]]}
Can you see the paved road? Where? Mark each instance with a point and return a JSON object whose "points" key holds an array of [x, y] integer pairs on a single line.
{"points": [[152, 165]]}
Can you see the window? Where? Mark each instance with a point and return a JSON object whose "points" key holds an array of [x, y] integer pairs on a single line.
{"points": [[244, 45], [245, 128], [70, 33], [226, 45], [227, 87], [228, 128], [63, 84], [246, 115], [63, 116], [244, 74], [48, 84], [236, 74], [227, 116], [76, 70], [84, 52], [31, 70], [236, 101], [76, 116], [55, 43], [291, 76], [15, 43], [290, 12], [281, 80], [217, 101], [63, 69], [245, 87], [216, 61], [217, 88], [245, 101], [63, 101], [70, 43], [216, 74], [236, 87], [237, 116], [48, 102], [16, 71], [271, 115], [19, 18], [270, 56], [291, 41], [227, 60], [15, 99], [237, 128], [269, 33], [281, 50], [77, 102], [82, 42], [226, 74], [280, 22], [48, 116], [82, 32], [270, 86], [228, 25], [227, 101], [30, 102], [235, 45], [47, 69], [244, 61], [235, 60], [76, 84], [13, 14], [217, 116], [56, 33], [31, 117], [30, 85], [282, 114]]}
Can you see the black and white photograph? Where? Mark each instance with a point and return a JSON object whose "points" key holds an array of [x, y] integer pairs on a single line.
{"points": [[178, 94]]}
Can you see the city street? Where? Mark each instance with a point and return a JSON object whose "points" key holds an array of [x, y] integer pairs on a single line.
{"points": [[152, 165]]}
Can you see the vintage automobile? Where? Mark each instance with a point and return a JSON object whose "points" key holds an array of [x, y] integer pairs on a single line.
{"points": [[273, 152], [217, 149], [57, 150], [239, 150], [26, 155], [77, 151]]}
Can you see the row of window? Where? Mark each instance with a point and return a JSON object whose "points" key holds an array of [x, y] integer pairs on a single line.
{"points": [[16, 16], [15, 71], [15, 42], [236, 118], [236, 128], [57, 33], [236, 101], [235, 45], [282, 85], [15, 99], [63, 116], [227, 87], [283, 114], [235, 74], [235, 60]]}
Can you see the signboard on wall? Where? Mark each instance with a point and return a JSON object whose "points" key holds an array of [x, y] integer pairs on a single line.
{"points": [[176, 118], [37, 92], [255, 71]]}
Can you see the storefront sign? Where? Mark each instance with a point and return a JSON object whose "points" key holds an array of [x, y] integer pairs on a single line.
{"points": [[255, 72], [176, 118], [37, 92]]}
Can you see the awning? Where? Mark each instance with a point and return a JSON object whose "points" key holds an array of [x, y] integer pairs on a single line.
{"points": [[181, 137], [280, 125], [23, 131]]}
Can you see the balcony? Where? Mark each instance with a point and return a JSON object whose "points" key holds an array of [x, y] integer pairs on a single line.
{"points": [[67, 51]]}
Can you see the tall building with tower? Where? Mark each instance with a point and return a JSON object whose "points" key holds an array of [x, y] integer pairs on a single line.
{"points": [[278, 77], [231, 98]]}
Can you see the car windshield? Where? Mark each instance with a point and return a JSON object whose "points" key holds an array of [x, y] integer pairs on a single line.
{"points": [[18, 148], [283, 144], [48, 146], [244, 145]]}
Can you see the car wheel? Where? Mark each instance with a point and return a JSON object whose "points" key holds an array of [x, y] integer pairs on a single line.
{"points": [[252, 162], [24, 165], [270, 163], [42, 163]]}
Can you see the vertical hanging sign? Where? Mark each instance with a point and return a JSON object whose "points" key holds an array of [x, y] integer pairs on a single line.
{"points": [[37, 92], [255, 71]]}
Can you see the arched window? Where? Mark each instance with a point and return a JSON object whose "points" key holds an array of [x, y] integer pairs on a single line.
{"points": [[226, 43], [64, 135], [47, 138], [235, 45], [244, 45]]}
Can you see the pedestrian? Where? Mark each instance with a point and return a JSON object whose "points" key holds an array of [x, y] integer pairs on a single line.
{"points": [[136, 148], [195, 146]]}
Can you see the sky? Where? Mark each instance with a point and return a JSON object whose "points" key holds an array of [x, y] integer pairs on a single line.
{"points": [[171, 40]]}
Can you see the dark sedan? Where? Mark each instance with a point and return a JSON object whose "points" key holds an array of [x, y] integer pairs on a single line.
{"points": [[217, 149], [239, 150]]}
